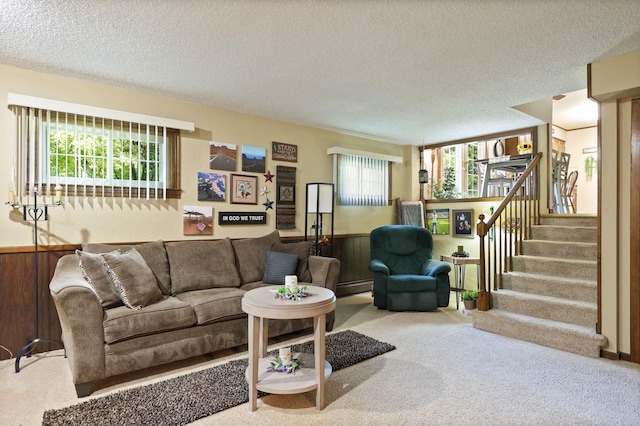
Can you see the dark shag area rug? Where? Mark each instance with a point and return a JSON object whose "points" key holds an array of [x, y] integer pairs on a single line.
{"points": [[187, 398]]}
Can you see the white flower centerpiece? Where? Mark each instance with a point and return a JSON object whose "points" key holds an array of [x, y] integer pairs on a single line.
{"points": [[291, 290], [284, 362]]}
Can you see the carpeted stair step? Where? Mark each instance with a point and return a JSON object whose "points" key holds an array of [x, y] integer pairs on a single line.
{"points": [[545, 285], [566, 268], [569, 220], [567, 337], [560, 249], [547, 307], [579, 234]]}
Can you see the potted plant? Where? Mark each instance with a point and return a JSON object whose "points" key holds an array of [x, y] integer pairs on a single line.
{"points": [[469, 298]]}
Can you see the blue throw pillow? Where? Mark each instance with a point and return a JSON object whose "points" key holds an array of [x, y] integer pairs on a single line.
{"points": [[278, 265]]}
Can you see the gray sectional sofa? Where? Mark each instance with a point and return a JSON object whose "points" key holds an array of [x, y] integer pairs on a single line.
{"points": [[126, 308]]}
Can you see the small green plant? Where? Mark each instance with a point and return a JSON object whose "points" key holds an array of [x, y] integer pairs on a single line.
{"points": [[443, 189], [470, 295]]}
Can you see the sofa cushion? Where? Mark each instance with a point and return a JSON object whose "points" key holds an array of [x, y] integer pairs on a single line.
{"points": [[95, 272], [198, 265], [250, 254], [278, 265], [132, 278], [122, 323], [153, 253], [214, 304], [303, 250]]}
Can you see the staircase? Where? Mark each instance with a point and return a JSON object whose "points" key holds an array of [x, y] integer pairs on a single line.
{"points": [[550, 297]]}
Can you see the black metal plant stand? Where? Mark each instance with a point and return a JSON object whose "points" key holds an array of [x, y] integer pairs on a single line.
{"points": [[36, 213]]}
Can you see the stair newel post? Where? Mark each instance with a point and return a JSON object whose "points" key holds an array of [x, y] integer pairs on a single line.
{"points": [[483, 295]]}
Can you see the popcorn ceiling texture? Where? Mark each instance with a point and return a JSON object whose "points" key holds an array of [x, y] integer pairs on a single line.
{"points": [[407, 72]]}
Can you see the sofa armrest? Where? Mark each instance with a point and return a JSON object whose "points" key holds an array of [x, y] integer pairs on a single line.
{"points": [[81, 316], [324, 271]]}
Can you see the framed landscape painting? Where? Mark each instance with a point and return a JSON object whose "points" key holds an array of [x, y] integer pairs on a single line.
{"points": [[254, 159], [438, 221]]}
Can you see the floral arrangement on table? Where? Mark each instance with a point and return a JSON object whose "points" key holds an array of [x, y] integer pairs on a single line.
{"points": [[289, 293], [524, 147], [289, 367]]}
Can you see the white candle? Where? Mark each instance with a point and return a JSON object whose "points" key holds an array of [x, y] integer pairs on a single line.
{"points": [[12, 197], [58, 193], [291, 282], [285, 355]]}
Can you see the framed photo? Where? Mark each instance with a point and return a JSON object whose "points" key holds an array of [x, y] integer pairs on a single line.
{"points": [[243, 189], [438, 221], [463, 223]]}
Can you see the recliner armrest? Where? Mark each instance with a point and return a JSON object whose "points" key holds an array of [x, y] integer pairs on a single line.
{"points": [[377, 266], [433, 267]]}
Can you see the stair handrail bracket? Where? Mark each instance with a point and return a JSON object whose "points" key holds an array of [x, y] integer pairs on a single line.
{"points": [[502, 234]]}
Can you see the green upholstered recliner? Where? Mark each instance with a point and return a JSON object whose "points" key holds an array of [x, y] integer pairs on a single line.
{"points": [[406, 277]]}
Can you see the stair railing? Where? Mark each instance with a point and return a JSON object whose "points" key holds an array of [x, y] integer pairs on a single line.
{"points": [[502, 234]]}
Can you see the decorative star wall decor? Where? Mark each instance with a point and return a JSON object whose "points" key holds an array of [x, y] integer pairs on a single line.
{"points": [[268, 176], [268, 205], [264, 191]]}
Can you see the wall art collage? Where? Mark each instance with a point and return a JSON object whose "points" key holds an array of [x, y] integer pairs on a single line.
{"points": [[243, 186]]}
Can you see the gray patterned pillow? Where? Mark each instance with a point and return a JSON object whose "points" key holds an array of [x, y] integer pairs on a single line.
{"points": [[133, 279], [95, 273], [278, 265]]}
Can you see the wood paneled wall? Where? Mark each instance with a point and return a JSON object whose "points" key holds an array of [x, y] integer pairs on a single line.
{"points": [[17, 289]]}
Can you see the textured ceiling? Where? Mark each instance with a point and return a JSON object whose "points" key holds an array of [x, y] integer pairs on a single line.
{"points": [[407, 72]]}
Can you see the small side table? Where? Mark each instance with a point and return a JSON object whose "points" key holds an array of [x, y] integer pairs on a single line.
{"points": [[459, 264], [261, 306]]}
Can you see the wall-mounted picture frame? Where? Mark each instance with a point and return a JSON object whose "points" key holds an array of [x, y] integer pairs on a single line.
{"points": [[438, 221], [197, 220], [222, 156], [244, 189], [254, 159], [211, 186], [463, 223]]}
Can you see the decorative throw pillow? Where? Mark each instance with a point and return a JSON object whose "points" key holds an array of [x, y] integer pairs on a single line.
{"points": [[303, 250], [278, 265], [95, 272], [199, 265], [133, 279], [153, 253], [250, 252]]}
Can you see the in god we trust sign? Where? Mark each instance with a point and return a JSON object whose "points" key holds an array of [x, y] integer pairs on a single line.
{"points": [[242, 218]]}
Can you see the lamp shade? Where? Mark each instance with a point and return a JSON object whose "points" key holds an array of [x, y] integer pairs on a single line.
{"points": [[319, 198]]}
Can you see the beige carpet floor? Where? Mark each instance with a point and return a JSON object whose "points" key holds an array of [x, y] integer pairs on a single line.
{"points": [[443, 372]]}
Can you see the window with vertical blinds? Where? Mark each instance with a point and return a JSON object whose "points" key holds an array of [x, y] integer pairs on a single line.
{"points": [[94, 156], [362, 181]]}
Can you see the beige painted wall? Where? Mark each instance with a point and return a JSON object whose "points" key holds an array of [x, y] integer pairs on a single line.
{"points": [[587, 194], [614, 82], [116, 220]]}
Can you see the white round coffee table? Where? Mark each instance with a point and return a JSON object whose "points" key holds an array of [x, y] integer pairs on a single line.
{"points": [[261, 305]]}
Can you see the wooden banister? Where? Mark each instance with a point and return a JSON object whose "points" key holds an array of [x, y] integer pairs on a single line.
{"points": [[502, 234]]}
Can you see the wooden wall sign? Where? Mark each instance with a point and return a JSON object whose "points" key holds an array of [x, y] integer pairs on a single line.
{"points": [[284, 152]]}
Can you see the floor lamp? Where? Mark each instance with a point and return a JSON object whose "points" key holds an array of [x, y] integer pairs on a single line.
{"points": [[320, 201], [35, 212]]}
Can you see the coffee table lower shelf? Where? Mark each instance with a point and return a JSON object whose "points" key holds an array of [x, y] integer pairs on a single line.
{"points": [[277, 382]]}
